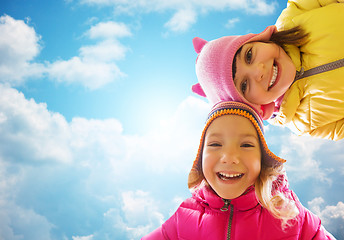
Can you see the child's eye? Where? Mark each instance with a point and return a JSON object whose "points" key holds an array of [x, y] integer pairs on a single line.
{"points": [[248, 56], [243, 86], [214, 145], [247, 145]]}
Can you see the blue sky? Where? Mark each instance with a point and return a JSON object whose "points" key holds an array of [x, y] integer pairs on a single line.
{"points": [[99, 127]]}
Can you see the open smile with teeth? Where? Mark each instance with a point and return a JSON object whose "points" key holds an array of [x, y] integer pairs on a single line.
{"points": [[274, 76], [227, 176]]}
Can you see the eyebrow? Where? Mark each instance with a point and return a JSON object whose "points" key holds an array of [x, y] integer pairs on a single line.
{"points": [[242, 135], [213, 135], [237, 56], [235, 81], [249, 135]]}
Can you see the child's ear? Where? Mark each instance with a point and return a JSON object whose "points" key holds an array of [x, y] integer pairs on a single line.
{"points": [[198, 44], [267, 110]]}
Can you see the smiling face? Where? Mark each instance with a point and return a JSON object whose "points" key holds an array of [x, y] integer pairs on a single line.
{"points": [[264, 72], [231, 159]]}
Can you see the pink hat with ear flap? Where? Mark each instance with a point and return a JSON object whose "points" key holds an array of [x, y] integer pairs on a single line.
{"points": [[214, 68]]}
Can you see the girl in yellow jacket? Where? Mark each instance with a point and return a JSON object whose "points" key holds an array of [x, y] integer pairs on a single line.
{"points": [[292, 73]]}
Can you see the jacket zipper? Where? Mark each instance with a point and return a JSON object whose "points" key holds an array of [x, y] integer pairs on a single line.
{"points": [[224, 209], [320, 69]]}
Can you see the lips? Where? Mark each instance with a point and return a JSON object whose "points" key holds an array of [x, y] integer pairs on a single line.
{"points": [[229, 176], [274, 76]]}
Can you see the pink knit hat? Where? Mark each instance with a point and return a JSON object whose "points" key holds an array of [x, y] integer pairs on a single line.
{"points": [[214, 68]]}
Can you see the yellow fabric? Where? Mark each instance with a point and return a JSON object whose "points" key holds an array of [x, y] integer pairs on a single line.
{"points": [[315, 105]]}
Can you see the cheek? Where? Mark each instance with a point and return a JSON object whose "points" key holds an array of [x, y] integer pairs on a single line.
{"points": [[257, 94], [256, 171], [205, 164], [208, 162], [255, 167], [289, 67]]}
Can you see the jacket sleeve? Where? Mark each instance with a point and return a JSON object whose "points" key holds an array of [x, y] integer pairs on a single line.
{"points": [[155, 235], [311, 223], [168, 231], [324, 119], [323, 234], [311, 227], [333, 131], [297, 7]]}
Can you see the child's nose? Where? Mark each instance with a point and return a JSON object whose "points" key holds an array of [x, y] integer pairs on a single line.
{"points": [[230, 156], [258, 72]]}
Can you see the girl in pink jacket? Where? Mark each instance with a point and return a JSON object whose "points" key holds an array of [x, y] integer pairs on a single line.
{"points": [[239, 187]]}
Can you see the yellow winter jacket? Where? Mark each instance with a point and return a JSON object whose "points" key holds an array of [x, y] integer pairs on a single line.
{"points": [[315, 105]]}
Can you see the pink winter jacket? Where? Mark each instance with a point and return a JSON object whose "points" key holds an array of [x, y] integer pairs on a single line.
{"points": [[200, 217]]}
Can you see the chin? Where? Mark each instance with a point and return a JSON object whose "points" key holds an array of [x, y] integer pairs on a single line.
{"points": [[230, 196]]}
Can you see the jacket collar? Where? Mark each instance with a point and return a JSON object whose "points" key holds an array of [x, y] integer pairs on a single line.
{"points": [[206, 196]]}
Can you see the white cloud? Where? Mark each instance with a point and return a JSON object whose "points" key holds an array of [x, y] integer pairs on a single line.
{"points": [[90, 237], [94, 139], [14, 220], [231, 22], [300, 153], [19, 39], [327, 213], [255, 7], [262, 7], [308, 158], [332, 216], [137, 216], [108, 30], [181, 20], [19, 45], [95, 66], [148, 207], [186, 12], [98, 2], [91, 74], [39, 134], [176, 201], [43, 135], [105, 51], [172, 146], [42, 156]]}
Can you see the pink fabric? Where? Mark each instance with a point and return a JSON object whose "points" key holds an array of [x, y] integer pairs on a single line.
{"points": [[200, 217], [214, 67]]}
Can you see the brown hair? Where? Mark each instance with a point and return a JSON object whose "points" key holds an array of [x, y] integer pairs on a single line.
{"points": [[294, 36], [195, 176]]}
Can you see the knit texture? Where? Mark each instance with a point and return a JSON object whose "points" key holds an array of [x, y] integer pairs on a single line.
{"points": [[240, 109], [214, 65]]}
